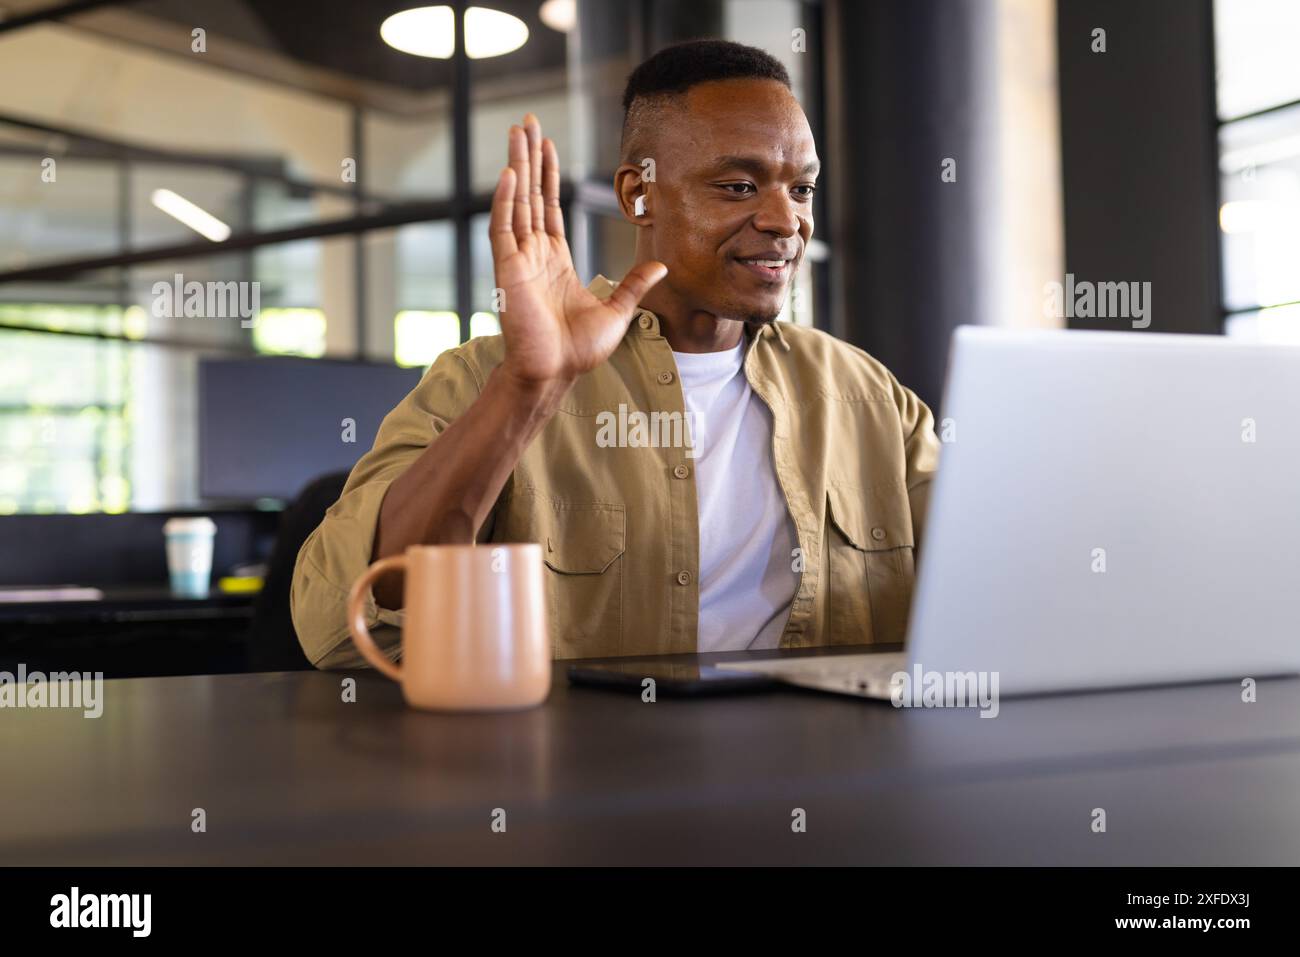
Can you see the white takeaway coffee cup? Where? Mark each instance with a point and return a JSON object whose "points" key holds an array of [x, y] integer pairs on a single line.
{"points": [[189, 555]]}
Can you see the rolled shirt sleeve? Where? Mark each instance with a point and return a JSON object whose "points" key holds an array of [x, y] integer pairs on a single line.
{"points": [[921, 446], [339, 550]]}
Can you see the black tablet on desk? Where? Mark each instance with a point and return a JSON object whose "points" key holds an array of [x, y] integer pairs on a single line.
{"points": [[670, 679]]}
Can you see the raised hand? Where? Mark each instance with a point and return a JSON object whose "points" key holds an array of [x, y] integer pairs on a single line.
{"points": [[554, 328]]}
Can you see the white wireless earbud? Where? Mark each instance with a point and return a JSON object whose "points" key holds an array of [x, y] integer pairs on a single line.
{"points": [[639, 205]]}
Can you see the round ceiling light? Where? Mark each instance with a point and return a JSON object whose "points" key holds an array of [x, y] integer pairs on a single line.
{"points": [[561, 15], [429, 31]]}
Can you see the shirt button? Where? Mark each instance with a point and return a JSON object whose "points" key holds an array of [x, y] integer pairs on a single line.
{"points": [[683, 578], [646, 322], [665, 377], [681, 471], [878, 533]]}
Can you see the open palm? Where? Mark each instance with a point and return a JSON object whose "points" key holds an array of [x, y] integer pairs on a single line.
{"points": [[554, 328]]}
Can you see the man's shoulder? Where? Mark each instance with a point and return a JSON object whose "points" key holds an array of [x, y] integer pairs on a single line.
{"points": [[816, 354], [479, 355]]}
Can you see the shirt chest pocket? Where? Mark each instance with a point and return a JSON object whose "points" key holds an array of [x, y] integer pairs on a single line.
{"points": [[870, 567], [582, 548]]}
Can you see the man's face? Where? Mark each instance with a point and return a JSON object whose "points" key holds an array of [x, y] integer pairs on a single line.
{"points": [[732, 206]]}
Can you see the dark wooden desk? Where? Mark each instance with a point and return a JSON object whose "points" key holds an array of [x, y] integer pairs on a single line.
{"points": [[131, 603], [133, 630], [288, 773]]}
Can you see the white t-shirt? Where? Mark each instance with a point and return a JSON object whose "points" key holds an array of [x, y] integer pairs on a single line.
{"points": [[746, 534]]}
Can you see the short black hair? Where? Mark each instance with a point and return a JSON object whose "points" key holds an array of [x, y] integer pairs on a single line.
{"points": [[675, 69]]}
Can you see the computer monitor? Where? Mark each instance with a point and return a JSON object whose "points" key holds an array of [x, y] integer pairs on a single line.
{"points": [[268, 426]]}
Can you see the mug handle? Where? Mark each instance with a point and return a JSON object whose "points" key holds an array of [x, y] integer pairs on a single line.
{"points": [[357, 615]]}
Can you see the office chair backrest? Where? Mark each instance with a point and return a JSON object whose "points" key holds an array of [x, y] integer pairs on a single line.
{"points": [[273, 644]]}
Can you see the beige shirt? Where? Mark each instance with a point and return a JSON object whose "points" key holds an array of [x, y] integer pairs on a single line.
{"points": [[854, 451]]}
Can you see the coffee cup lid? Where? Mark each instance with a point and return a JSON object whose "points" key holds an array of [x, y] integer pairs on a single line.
{"points": [[197, 525]]}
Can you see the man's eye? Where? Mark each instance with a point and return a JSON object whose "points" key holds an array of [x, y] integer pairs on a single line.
{"points": [[809, 188], [740, 189]]}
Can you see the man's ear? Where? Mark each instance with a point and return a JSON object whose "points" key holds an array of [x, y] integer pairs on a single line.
{"points": [[628, 186]]}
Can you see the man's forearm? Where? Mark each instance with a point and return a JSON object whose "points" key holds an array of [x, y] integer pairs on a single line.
{"points": [[447, 493]]}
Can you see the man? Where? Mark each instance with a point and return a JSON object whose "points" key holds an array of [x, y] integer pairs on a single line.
{"points": [[786, 515]]}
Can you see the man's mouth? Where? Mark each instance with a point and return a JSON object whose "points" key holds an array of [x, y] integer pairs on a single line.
{"points": [[769, 269]]}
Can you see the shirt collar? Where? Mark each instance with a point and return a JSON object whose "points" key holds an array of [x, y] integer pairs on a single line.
{"points": [[646, 324]]}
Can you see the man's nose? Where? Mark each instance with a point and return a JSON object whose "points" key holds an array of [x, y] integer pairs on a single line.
{"points": [[777, 214]]}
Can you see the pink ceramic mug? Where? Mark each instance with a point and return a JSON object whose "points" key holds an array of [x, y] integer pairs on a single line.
{"points": [[475, 636]]}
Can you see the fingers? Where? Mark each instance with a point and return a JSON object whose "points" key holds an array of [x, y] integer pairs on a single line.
{"points": [[523, 214], [534, 131], [554, 217], [500, 223], [639, 280]]}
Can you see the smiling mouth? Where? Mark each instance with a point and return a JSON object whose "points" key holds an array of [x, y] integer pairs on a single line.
{"points": [[769, 270]]}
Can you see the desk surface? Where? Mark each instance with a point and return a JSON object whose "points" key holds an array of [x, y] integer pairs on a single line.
{"points": [[132, 603], [288, 773]]}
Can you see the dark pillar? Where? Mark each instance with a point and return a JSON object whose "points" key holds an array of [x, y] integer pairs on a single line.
{"points": [[1140, 156], [907, 86]]}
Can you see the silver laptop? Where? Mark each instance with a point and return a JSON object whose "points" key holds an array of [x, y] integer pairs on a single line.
{"points": [[1111, 509]]}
